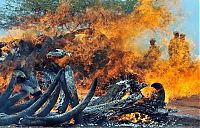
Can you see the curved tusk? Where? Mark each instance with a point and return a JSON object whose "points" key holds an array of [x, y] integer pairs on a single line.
{"points": [[160, 94], [61, 118], [5, 95], [13, 100], [50, 104], [13, 119], [20, 107]]}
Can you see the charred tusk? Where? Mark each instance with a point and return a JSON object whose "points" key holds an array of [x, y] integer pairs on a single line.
{"points": [[64, 100], [160, 94], [20, 107], [4, 97], [13, 100], [50, 104], [61, 118], [13, 119], [70, 86]]}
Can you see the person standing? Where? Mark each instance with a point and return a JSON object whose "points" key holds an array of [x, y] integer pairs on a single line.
{"points": [[184, 51], [153, 53], [173, 47]]}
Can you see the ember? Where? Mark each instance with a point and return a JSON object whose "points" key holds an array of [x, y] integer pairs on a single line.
{"points": [[136, 118]]}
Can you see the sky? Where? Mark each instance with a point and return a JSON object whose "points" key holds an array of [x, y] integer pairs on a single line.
{"points": [[189, 25]]}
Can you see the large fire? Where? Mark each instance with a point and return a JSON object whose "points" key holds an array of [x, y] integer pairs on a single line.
{"points": [[107, 46]]}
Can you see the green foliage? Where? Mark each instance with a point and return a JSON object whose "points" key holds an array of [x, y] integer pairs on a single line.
{"points": [[16, 11], [124, 6], [78, 6], [39, 6]]}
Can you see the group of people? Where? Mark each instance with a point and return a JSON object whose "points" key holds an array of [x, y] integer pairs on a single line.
{"points": [[178, 50]]}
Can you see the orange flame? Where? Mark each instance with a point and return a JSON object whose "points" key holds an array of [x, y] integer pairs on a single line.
{"points": [[113, 36]]}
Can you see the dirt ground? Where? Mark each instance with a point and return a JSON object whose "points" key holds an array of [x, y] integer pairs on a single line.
{"points": [[188, 114], [187, 106]]}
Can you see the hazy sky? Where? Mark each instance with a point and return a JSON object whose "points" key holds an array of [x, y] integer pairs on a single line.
{"points": [[190, 24]]}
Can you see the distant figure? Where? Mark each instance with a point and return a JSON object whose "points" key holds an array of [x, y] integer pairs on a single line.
{"points": [[153, 53], [184, 49], [174, 46]]}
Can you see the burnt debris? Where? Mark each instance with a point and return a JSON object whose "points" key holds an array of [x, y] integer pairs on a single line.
{"points": [[47, 90], [102, 109]]}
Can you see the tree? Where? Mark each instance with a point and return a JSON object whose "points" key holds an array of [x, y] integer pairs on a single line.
{"points": [[16, 11], [78, 6], [124, 6]]}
